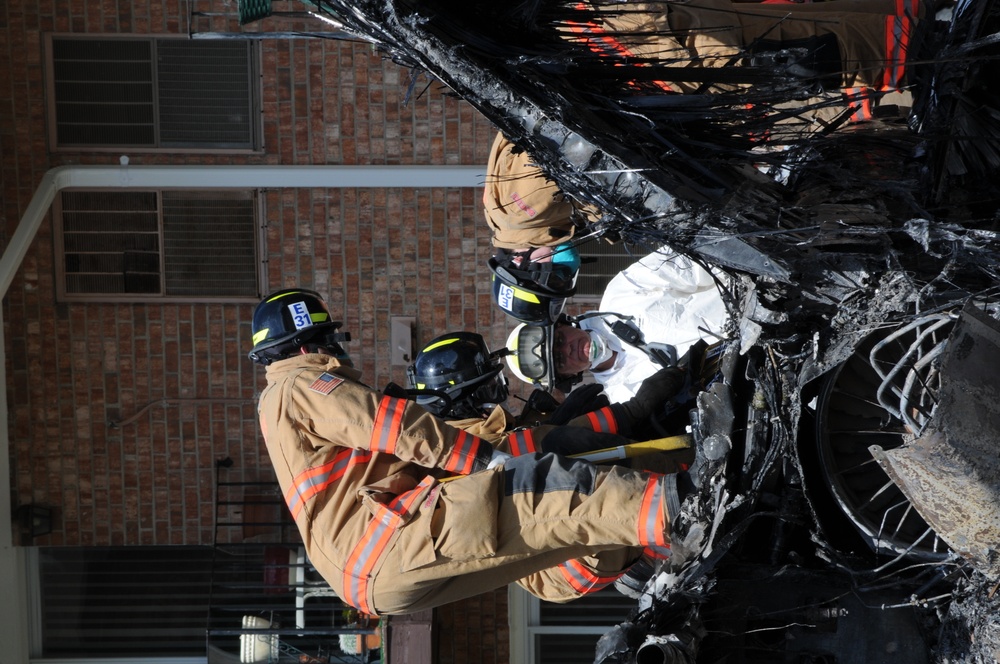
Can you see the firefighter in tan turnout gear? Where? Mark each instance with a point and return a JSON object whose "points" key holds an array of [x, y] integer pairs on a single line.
{"points": [[360, 473], [457, 378], [523, 207], [842, 43]]}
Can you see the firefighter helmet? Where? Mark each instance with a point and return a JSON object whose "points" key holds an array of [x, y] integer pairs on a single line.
{"points": [[456, 376], [289, 318], [531, 358], [533, 292]]}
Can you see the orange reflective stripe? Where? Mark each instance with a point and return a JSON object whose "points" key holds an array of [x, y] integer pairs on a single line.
{"points": [[312, 481], [463, 456], [374, 543], [658, 554], [859, 100], [388, 421], [522, 442], [583, 580], [368, 552], [605, 45], [897, 41], [603, 420], [652, 524]]}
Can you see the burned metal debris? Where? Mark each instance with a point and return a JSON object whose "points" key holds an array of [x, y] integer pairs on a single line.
{"points": [[848, 243]]}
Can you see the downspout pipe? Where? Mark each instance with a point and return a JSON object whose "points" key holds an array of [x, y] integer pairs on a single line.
{"points": [[14, 610], [218, 177]]}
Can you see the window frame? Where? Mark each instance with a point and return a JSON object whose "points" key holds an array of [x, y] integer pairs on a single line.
{"points": [[255, 110], [59, 251], [524, 622]]}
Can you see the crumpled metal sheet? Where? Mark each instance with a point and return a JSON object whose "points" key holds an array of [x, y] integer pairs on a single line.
{"points": [[951, 473]]}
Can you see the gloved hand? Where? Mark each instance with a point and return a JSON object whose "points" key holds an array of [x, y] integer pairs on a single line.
{"points": [[694, 357], [653, 393], [581, 400], [540, 401], [498, 459], [569, 440]]}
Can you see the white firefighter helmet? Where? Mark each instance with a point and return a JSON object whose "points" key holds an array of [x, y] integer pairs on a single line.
{"points": [[530, 357]]}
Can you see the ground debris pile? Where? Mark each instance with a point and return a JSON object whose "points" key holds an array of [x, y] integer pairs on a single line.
{"points": [[970, 625]]}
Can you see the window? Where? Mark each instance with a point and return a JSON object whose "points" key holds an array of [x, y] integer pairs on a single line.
{"points": [[140, 245], [139, 93], [180, 603], [562, 633], [121, 602]]}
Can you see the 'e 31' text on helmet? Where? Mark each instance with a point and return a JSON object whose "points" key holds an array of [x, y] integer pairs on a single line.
{"points": [[289, 318], [456, 376], [536, 294]]}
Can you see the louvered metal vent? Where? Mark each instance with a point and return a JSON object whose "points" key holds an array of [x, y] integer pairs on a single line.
{"points": [[568, 633], [154, 93], [611, 259], [111, 242], [104, 92], [122, 601], [208, 243], [204, 93], [159, 244]]}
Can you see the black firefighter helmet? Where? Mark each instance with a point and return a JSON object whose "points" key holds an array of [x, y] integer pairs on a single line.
{"points": [[455, 376], [535, 294], [290, 318]]}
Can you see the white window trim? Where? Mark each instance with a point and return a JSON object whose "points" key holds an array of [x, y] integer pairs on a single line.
{"points": [[256, 101], [523, 618]]}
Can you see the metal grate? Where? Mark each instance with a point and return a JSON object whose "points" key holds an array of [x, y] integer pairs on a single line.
{"points": [[204, 93], [565, 633], [103, 92], [155, 93], [104, 602], [111, 242], [209, 243], [595, 276], [159, 244]]}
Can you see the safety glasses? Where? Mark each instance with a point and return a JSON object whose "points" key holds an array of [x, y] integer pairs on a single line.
{"points": [[534, 352]]}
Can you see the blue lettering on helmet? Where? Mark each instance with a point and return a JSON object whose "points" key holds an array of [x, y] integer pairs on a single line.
{"points": [[300, 315]]}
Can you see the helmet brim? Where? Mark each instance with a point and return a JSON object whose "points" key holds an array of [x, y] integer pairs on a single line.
{"points": [[524, 300]]}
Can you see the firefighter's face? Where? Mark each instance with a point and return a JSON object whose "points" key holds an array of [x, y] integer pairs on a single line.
{"points": [[570, 350]]}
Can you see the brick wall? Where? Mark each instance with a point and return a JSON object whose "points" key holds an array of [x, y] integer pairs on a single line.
{"points": [[119, 412], [473, 631]]}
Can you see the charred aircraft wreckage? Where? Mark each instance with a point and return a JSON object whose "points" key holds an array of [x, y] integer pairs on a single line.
{"points": [[852, 475]]}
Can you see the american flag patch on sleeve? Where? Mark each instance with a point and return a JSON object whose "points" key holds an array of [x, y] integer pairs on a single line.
{"points": [[325, 383]]}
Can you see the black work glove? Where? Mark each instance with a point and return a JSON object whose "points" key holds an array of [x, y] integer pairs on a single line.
{"points": [[540, 401], [693, 359], [655, 391], [568, 441], [583, 399]]}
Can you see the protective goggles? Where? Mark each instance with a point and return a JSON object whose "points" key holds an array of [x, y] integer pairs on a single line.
{"points": [[534, 354]]}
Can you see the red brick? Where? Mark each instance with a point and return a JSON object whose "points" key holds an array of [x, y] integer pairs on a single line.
{"points": [[376, 253]]}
